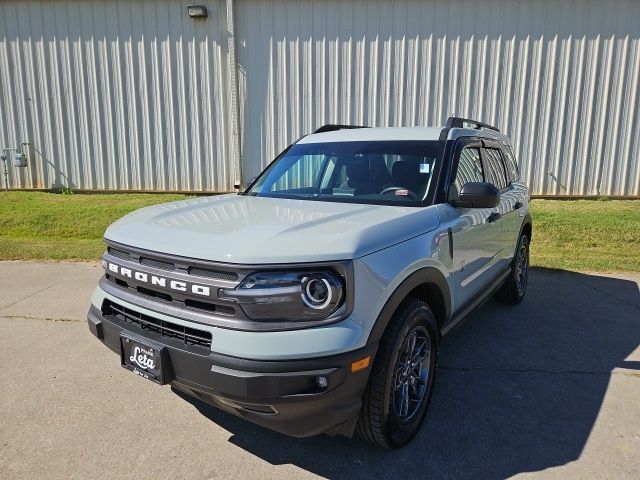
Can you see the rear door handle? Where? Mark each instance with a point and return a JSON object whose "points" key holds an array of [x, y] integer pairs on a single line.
{"points": [[517, 206], [493, 217]]}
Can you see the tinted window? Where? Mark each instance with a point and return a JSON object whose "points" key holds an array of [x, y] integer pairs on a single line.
{"points": [[382, 172], [494, 168], [301, 175], [469, 167], [510, 165]]}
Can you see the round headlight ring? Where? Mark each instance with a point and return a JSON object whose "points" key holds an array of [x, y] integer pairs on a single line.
{"points": [[317, 293]]}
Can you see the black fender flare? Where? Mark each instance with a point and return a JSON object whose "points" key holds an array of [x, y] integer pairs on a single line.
{"points": [[526, 221], [430, 275]]}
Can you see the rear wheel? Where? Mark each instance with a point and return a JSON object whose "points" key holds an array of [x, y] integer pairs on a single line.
{"points": [[515, 286], [401, 383]]}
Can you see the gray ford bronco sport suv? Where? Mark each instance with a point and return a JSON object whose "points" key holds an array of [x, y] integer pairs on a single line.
{"points": [[315, 301]]}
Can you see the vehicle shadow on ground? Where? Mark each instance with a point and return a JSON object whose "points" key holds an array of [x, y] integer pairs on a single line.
{"points": [[518, 389]]}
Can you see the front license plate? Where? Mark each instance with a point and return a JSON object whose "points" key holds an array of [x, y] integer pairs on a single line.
{"points": [[142, 358]]}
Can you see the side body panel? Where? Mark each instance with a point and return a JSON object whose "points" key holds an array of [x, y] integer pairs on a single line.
{"points": [[515, 205], [379, 275], [476, 248]]}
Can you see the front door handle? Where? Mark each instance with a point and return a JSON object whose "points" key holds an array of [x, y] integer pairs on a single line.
{"points": [[517, 206], [493, 217]]}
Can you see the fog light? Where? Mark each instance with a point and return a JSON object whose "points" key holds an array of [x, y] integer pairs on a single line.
{"points": [[322, 382]]}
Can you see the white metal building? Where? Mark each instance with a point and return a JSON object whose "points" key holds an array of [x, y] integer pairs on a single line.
{"points": [[136, 95]]}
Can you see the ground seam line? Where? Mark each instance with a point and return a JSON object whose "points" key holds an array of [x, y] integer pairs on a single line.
{"points": [[45, 319], [28, 296], [534, 370]]}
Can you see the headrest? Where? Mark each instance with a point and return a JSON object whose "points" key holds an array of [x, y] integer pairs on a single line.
{"points": [[357, 168], [403, 170], [378, 167]]}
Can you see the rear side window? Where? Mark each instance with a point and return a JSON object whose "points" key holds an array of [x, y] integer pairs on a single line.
{"points": [[469, 167], [510, 165], [494, 168]]}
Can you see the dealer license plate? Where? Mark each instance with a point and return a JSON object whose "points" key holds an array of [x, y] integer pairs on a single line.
{"points": [[142, 358]]}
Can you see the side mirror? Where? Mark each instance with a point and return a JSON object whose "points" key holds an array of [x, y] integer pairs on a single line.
{"points": [[477, 195]]}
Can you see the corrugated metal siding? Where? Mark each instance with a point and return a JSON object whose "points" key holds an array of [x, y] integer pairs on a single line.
{"points": [[559, 77], [116, 94], [132, 94]]}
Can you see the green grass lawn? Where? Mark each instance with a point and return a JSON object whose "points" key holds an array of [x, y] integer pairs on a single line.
{"points": [[584, 235], [50, 226]]}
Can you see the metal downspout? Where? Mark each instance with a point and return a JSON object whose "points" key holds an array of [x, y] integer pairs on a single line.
{"points": [[235, 107]]}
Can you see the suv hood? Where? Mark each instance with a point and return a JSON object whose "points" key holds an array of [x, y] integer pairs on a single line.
{"points": [[257, 230]]}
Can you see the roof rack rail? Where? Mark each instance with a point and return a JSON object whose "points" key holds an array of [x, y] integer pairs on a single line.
{"points": [[331, 127], [458, 122]]}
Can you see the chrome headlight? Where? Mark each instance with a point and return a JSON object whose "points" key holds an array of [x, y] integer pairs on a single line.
{"points": [[304, 295]]}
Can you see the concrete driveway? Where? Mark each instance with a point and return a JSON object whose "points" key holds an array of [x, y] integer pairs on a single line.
{"points": [[547, 389]]}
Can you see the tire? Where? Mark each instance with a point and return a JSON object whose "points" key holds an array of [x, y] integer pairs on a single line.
{"points": [[515, 286], [385, 419]]}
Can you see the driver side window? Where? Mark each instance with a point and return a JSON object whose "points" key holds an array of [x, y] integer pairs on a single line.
{"points": [[469, 168]]}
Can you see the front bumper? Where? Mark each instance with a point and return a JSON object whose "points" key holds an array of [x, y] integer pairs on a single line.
{"points": [[284, 396]]}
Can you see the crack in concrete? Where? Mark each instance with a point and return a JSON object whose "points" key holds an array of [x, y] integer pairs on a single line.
{"points": [[46, 319], [539, 370], [612, 295], [637, 307], [28, 296]]}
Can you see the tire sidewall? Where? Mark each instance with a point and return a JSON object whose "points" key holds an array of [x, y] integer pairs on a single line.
{"points": [[399, 433], [524, 239]]}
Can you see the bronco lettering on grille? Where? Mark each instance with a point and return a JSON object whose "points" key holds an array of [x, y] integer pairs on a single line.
{"points": [[156, 280]]}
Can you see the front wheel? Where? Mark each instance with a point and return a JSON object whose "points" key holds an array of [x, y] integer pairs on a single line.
{"points": [[514, 287], [401, 383]]}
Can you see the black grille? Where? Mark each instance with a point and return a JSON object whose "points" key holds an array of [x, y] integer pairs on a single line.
{"points": [[190, 336], [150, 262], [154, 293], [117, 281], [210, 307], [170, 266], [119, 253], [216, 274]]}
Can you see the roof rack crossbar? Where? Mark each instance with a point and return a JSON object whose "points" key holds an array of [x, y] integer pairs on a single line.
{"points": [[331, 127], [458, 122]]}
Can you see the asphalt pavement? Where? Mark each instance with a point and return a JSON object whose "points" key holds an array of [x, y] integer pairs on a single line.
{"points": [[547, 389]]}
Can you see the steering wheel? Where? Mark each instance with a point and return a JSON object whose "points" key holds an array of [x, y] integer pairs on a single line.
{"points": [[395, 189]]}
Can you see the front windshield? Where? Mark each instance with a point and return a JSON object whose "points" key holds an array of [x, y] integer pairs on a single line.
{"points": [[384, 172]]}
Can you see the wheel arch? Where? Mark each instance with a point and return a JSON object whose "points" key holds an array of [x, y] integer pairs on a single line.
{"points": [[427, 284], [527, 226]]}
